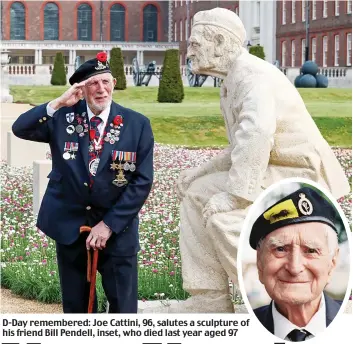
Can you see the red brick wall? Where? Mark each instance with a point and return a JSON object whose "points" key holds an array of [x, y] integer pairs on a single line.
{"points": [[68, 19], [330, 26]]}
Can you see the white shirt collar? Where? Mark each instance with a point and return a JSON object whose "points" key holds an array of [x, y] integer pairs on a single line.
{"points": [[317, 324], [103, 115]]}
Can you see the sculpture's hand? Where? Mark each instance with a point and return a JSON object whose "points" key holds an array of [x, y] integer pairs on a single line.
{"points": [[223, 202], [70, 97], [186, 177]]}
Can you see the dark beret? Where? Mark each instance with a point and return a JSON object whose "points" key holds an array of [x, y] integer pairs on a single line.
{"points": [[98, 65], [303, 205]]}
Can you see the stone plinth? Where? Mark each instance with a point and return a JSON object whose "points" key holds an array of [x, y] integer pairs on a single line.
{"points": [[23, 152]]}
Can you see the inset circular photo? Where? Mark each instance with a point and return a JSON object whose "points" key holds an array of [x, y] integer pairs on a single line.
{"points": [[294, 259]]}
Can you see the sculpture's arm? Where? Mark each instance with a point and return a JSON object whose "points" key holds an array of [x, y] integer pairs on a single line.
{"points": [[253, 141], [220, 162]]}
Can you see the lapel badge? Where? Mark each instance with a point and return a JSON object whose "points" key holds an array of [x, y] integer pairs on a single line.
{"points": [[69, 150], [70, 117], [70, 129], [304, 205]]}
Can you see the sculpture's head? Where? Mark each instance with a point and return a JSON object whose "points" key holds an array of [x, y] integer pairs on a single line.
{"points": [[217, 36]]}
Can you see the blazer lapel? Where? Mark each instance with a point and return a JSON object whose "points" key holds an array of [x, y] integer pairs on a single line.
{"points": [[108, 147], [84, 140]]}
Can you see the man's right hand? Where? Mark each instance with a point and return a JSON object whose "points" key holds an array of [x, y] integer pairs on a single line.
{"points": [[70, 97]]}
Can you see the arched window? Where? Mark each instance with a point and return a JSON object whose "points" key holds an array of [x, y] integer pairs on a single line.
{"points": [[17, 26], [150, 23], [84, 23], [117, 23], [51, 21]]}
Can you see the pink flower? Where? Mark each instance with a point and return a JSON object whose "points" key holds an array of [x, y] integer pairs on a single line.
{"points": [[44, 261], [155, 271], [172, 273]]}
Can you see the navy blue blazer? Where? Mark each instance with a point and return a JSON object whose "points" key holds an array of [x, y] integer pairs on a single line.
{"points": [[264, 313], [69, 202]]}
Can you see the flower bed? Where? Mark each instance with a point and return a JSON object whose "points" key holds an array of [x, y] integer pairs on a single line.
{"points": [[28, 257]]}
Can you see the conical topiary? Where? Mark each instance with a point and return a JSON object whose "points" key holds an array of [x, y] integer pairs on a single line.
{"points": [[117, 68], [171, 89], [58, 76]]}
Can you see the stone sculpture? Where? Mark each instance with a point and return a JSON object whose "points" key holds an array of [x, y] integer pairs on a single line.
{"points": [[271, 136]]}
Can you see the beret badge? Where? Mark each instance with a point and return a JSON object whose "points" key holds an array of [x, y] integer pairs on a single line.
{"points": [[304, 205], [102, 61]]}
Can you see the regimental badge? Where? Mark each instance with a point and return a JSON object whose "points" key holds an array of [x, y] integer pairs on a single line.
{"points": [[70, 117], [304, 205], [70, 129], [100, 66]]}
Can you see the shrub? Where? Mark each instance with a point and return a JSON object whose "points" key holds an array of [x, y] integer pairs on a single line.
{"points": [[258, 51], [171, 89], [117, 68], [58, 76]]}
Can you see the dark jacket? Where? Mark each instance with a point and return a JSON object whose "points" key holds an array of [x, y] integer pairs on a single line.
{"points": [[69, 202]]}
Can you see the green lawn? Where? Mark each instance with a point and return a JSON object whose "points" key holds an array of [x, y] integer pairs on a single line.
{"points": [[197, 121]]}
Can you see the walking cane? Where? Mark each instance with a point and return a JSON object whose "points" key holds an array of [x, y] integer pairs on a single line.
{"points": [[91, 271]]}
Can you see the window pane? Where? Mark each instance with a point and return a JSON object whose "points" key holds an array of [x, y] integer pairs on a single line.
{"points": [[117, 23], [51, 21], [84, 23], [150, 23], [17, 26]]}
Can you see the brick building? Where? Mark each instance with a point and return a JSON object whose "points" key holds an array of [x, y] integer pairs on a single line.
{"points": [[33, 31], [330, 33]]}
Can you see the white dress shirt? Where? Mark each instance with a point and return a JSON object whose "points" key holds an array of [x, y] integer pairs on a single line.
{"points": [[317, 324], [103, 115]]}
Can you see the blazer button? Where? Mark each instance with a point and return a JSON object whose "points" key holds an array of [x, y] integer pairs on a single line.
{"points": [[44, 118], [88, 207], [85, 184]]}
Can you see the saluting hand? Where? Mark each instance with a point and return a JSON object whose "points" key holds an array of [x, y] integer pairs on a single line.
{"points": [[70, 97], [98, 236]]}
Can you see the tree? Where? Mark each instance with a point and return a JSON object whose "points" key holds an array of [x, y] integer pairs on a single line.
{"points": [[258, 51], [171, 89], [117, 68], [58, 76]]}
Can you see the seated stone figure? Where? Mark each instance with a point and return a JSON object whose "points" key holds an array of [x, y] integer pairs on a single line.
{"points": [[271, 136]]}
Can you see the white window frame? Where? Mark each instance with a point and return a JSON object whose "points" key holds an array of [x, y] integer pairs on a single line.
{"points": [[337, 51], [349, 49], [337, 8], [186, 30], [303, 10], [175, 31], [303, 49], [284, 12], [284, 53], [293, 11], [292, 63], [324, 51], [349, 6], [175, 3], [313, 49], [181, 30], [237, 10], [313, 9], [324, 9]]}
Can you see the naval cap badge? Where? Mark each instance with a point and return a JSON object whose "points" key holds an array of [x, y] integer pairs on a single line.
{"points": [[304, 205]]}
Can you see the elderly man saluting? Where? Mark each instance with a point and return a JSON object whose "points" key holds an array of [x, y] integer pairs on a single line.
{"points": [[102, 173], [297, 250]]}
